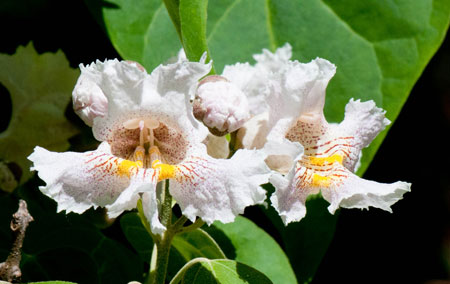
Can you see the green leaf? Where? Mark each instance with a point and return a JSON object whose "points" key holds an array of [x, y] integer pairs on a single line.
{"points": [[245, 242], [203, 270], [65, 247], [137, 235], [140, 30], [193, 28], [40, 86], [52, 282], [380, 48], [173, 8], [195, 244], [185, 246]]}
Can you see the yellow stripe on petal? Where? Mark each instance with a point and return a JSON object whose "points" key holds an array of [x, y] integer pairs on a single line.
{"points": [[320, 181], [322, 161], [125, 167], [166, 171]]}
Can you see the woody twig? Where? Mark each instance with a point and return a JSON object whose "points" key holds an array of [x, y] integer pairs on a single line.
{"points": [[10, 269]]}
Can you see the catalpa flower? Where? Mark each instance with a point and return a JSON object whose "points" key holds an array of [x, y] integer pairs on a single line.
{"points": [[148, 135], [315, 156]]}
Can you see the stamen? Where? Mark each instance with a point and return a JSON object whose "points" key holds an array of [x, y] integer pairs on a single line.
{"points": [[151, 123], [151, 137], [139, 156], [165, 171], [155, 155], [141, 133], [132, 123]]}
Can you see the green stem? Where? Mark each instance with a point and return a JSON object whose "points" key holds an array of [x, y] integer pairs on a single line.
{"points": [[162, 258], [162, 244], [166, 208], [197, 224], [232, 145], [161, 249]]}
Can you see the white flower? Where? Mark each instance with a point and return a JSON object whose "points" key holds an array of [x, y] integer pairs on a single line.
{"points": [[220, 105], [314, 155], [149, 134]]}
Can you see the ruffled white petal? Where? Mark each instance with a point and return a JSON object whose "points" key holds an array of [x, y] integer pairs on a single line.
{"points": [[356, 192], [218, 190], [162, 96], [272, 62], [281, 154], [78, 181], [298, 89], [289, 200], [150, 207], [364, 121], [144, 181]]}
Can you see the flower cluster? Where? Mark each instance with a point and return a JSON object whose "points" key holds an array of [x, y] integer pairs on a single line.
{"points": [[308, 154], [149, 133]]}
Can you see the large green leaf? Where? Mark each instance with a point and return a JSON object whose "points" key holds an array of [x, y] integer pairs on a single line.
{"points": [[65, 247], [245, 242], [379, 47], [40, 86], [140, 30], [224, 271], [193, 21]]}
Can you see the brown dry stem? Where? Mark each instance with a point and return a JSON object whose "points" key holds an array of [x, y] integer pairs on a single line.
{"points": [[10, 269]]}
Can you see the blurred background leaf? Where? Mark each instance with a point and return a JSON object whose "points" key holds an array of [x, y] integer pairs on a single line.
{"points": [[40, 86]]}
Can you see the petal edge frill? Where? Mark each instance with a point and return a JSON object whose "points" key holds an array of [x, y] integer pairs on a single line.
{"points": [[78, 181], [356, 192], [218, 189]]}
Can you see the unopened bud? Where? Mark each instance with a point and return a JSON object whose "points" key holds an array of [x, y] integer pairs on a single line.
{"points": [[88, 100], [220, 105]]}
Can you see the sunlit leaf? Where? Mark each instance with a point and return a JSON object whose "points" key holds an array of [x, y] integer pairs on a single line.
{"points": [[193, 18], [380, 48], [245, 242], [40, 86], [202, 270], [140, 30]]}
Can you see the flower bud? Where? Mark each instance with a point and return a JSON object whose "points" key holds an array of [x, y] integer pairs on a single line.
{"points": [[220, 105], [88, 100]]}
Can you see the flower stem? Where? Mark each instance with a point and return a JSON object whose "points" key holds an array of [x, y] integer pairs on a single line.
{"points": [[166, 208], [162, 243], [161, 249]]}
